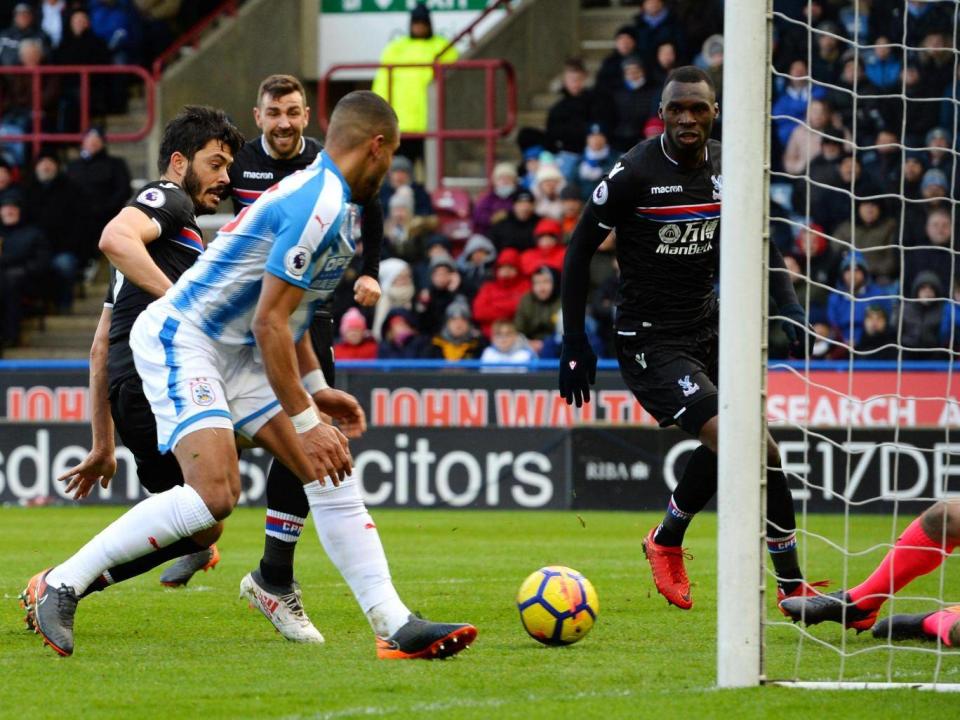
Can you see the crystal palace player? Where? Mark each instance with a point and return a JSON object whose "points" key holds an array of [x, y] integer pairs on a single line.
{"points": [[150, 243], [282, 115], [663, 200], [920, 550]]}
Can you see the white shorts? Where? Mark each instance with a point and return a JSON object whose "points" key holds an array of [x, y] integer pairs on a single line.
{"points": [[194, 382]]}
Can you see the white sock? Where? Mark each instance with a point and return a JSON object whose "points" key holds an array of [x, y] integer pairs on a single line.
{"points": [[148, 526], [352, 543]]}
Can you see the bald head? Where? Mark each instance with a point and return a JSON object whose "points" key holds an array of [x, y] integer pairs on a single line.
{"points": [[359, 117]]}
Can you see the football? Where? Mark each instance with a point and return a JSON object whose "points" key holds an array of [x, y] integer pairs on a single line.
{"points": [[558, 606]]}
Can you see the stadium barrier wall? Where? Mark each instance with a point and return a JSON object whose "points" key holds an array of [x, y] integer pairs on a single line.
{"points": [[496, 440]]}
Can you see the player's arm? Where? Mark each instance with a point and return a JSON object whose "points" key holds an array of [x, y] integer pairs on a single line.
{"points": [[795, 327], [323, 448], [100, 463], [342, 407], [124, 241], [367, 287], [578, 363]]}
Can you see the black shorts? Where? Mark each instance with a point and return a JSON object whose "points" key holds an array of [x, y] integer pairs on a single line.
{"points": [[137, 429], [674, 378], [321, 336]]}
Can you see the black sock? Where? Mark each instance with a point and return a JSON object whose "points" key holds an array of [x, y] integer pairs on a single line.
{"points": [[140, 565], [781, 532], [276, 565], [697, 485], [287, 510]]}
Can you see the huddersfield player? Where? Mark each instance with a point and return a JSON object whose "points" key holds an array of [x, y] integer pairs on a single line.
{"points": [[920, 550], [220, 351], [282, 115], [663, 200]]}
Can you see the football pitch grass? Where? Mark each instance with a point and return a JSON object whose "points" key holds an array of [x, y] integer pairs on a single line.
{"points": [[144, 651]]}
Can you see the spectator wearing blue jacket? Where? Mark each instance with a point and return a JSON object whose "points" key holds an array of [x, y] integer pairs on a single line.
{"points": [[793, 101], [883, 67], [856, 292]]}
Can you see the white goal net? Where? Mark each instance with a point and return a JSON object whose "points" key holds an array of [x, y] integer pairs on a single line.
{"points": [[863, 182]]}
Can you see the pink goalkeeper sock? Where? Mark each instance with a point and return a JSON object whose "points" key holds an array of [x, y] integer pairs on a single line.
{"points": [[941, 623], [913, 555]]}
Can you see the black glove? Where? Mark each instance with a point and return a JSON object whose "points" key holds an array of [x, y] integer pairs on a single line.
{"points": [[578, 369], [799, 333]]}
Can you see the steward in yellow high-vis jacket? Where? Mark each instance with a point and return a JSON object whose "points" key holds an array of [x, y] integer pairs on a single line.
{"points": [[409, 85]]}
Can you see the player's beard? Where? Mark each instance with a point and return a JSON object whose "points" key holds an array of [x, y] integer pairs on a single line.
{"points": [[193, 186]]}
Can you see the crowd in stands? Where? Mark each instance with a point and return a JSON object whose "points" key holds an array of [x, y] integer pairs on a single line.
{"points": [[863, 191], [53, 204]]}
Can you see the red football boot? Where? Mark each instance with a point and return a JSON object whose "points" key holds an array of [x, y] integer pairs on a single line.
{"points": [[669, 574]]}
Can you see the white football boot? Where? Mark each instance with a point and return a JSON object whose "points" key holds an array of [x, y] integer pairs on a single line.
{"points": [[281, 606]]}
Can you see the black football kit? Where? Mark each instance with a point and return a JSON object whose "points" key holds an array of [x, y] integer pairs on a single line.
{"points": [[176, 248], [667, 222]]}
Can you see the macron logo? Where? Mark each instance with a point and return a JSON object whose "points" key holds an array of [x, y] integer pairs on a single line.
{"points": [[661, 189], [254, 175], [616, 168]]}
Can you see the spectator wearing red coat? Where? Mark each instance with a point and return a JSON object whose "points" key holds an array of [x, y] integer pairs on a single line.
{"points": [[548, 249], [498, 299], [355, 342]]}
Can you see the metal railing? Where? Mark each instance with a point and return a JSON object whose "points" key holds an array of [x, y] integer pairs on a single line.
{"points": [[468, 30], [193, 36], [490, 131], [37, 136]]}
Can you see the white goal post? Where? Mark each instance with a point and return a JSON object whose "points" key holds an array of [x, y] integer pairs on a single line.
{"points": [[754, 75], [743, 250]]}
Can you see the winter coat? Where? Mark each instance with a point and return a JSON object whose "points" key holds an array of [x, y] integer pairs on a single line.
{"points": [[571, 116], [498, 300], [415, 347], [489, 206], [512, 233], [534, 258], [921, 321], [366, 350], [468, 348], [536, 319], [869, 239], [838, 309]]}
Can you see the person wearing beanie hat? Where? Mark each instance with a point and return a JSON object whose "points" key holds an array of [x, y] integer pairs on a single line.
{"points": [[355, 342], [24, 264], [459, 339], [397, 291], [548, 250], [434, 298], [546, 189], [401, 176], [494, 205], [476, 264], [498, 298], [406, 88], [516, 230], [919, 321], [858, 290], [597, 160], [934, 184]]}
